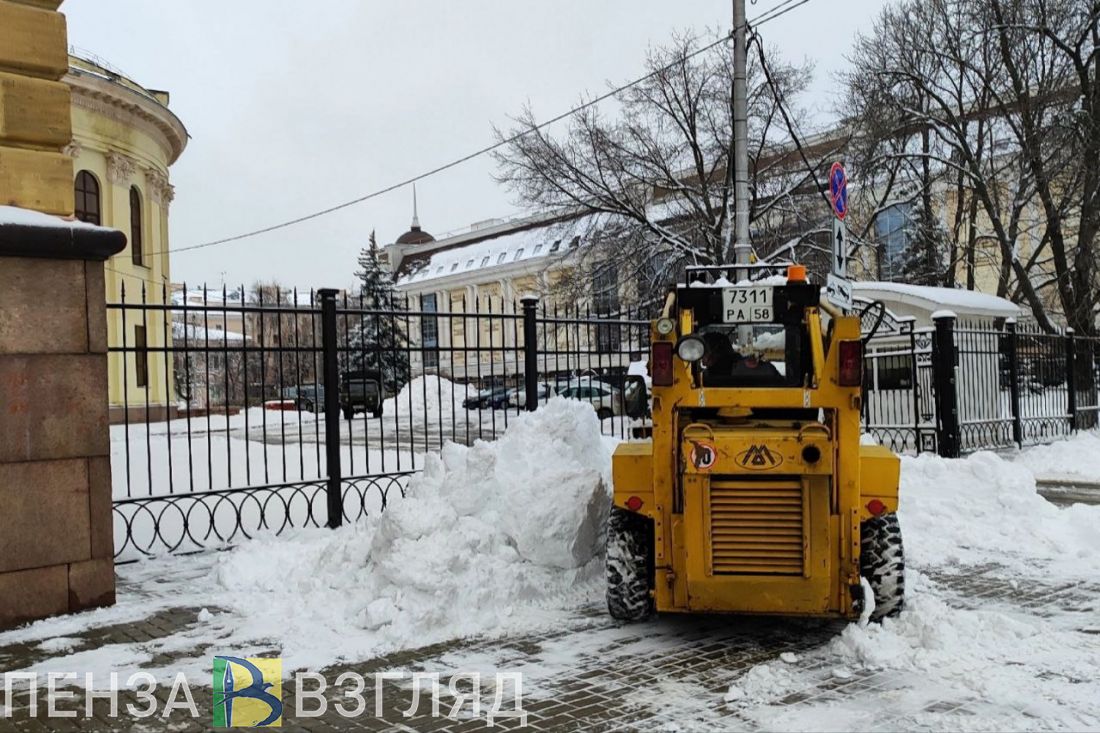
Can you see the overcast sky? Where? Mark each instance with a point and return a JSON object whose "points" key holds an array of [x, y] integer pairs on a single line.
{"points": [[293, 110]]}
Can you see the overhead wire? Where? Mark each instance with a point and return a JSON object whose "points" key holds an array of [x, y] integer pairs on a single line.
{"points": [[779, 10]]}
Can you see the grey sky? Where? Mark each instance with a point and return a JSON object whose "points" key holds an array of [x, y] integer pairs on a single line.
{"points": [[292, 110]]}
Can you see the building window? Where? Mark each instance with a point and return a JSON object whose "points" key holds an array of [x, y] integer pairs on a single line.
{"points": [[86, 189], [892, 233], [141, 357], [486, 260], [538, 248], [137, 244], [605, 297], [429, 331], [469, 264], [500, 260], [519, 253], [454, 267]]}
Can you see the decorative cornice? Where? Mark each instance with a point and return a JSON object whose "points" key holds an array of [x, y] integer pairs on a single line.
{"points": [[116, 102], [160, 190], [73, 149], [120, 169]]}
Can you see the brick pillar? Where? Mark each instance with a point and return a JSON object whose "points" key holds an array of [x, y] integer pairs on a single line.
{"points": [[56, 547]]}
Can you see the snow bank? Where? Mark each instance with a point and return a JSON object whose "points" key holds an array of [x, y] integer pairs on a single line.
{"points": [[1076, 457], [431, 398], [985, 509], [492, 537]]}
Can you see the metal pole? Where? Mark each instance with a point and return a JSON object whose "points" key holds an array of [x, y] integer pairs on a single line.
{"points": [[530, 353], [742, 249], [332, 407], [1071, 377], [944, 362], [1012, 356]]}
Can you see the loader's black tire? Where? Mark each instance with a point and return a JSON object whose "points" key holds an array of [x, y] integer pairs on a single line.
{"points": [[629, 565], [882, 563]]}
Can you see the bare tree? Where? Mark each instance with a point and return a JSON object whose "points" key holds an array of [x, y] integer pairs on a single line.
{"points": [[993, 108], [651, 184]]}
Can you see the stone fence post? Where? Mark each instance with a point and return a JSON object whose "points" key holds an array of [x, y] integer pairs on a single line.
{"points": [[56, 546]]}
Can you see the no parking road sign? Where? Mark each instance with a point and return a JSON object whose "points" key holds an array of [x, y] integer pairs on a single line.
{"points": [[838, 197], [838, 190]]}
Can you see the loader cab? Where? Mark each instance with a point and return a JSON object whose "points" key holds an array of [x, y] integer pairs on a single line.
{"points": [[754, 493]]}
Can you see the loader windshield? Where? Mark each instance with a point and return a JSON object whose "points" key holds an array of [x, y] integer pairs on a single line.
{"points": [[751, 356], [755, 335]]}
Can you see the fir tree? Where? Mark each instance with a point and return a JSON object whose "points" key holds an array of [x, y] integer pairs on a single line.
{"points": [[379, 342], [922, 263]]}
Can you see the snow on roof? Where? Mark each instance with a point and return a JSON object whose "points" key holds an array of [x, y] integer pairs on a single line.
{"points": [[192, 333], [963, 302], [15, 216], [505, 249]]}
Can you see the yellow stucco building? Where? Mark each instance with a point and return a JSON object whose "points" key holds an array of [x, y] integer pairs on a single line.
{"points": [[124, 138]]}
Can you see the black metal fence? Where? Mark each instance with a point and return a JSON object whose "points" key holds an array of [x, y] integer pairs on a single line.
{"points": [[957, 387], [241, 414], [238, 414]]}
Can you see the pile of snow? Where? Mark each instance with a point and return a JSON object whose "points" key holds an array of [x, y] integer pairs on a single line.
{"points": [[1076, 457], [498, 537], [984, 509], [430, 398]]}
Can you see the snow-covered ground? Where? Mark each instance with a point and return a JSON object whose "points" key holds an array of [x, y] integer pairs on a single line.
{"points": [[482, 546], [1020, 670]]}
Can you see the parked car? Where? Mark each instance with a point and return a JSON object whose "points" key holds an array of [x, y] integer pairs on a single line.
{"points": [[606, 399], [518, 397], [630, 400], [306, 397], [360, 391], [493, 397]]}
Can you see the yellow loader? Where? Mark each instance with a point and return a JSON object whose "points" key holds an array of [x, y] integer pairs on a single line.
{"points": [[754, 493]]}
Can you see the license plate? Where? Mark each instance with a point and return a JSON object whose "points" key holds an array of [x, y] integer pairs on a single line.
{"points": [[747, 305]]}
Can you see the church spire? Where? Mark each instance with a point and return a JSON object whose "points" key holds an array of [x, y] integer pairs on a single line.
{"points": [[416, 219]]}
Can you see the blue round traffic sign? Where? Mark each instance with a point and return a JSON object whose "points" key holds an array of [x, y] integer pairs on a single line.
{"points": [[838, 190]]}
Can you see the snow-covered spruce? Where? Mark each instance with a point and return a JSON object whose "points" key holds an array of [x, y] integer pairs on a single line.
{"points": [[628, 553], [882, 563]]}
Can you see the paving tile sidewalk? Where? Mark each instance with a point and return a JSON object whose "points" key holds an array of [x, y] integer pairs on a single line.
{"points": [[590, 674]]}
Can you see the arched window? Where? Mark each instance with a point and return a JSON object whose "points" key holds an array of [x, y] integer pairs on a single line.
{"points": [[136, 244], [86, 189]]}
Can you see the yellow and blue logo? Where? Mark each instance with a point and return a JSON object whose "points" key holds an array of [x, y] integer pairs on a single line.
{"points": [[248, 692]]}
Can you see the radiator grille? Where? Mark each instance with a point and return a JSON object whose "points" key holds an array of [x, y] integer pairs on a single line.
{"points": [[756, 527]]}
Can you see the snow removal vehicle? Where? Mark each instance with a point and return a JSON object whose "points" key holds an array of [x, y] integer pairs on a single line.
{"points": [[753, 493]]}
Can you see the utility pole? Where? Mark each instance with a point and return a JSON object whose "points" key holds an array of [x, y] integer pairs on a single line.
{"points": [[742, 249]]}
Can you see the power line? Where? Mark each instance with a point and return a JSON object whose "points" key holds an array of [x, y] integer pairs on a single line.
{"points": [[782, 9], [783, 112]]}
